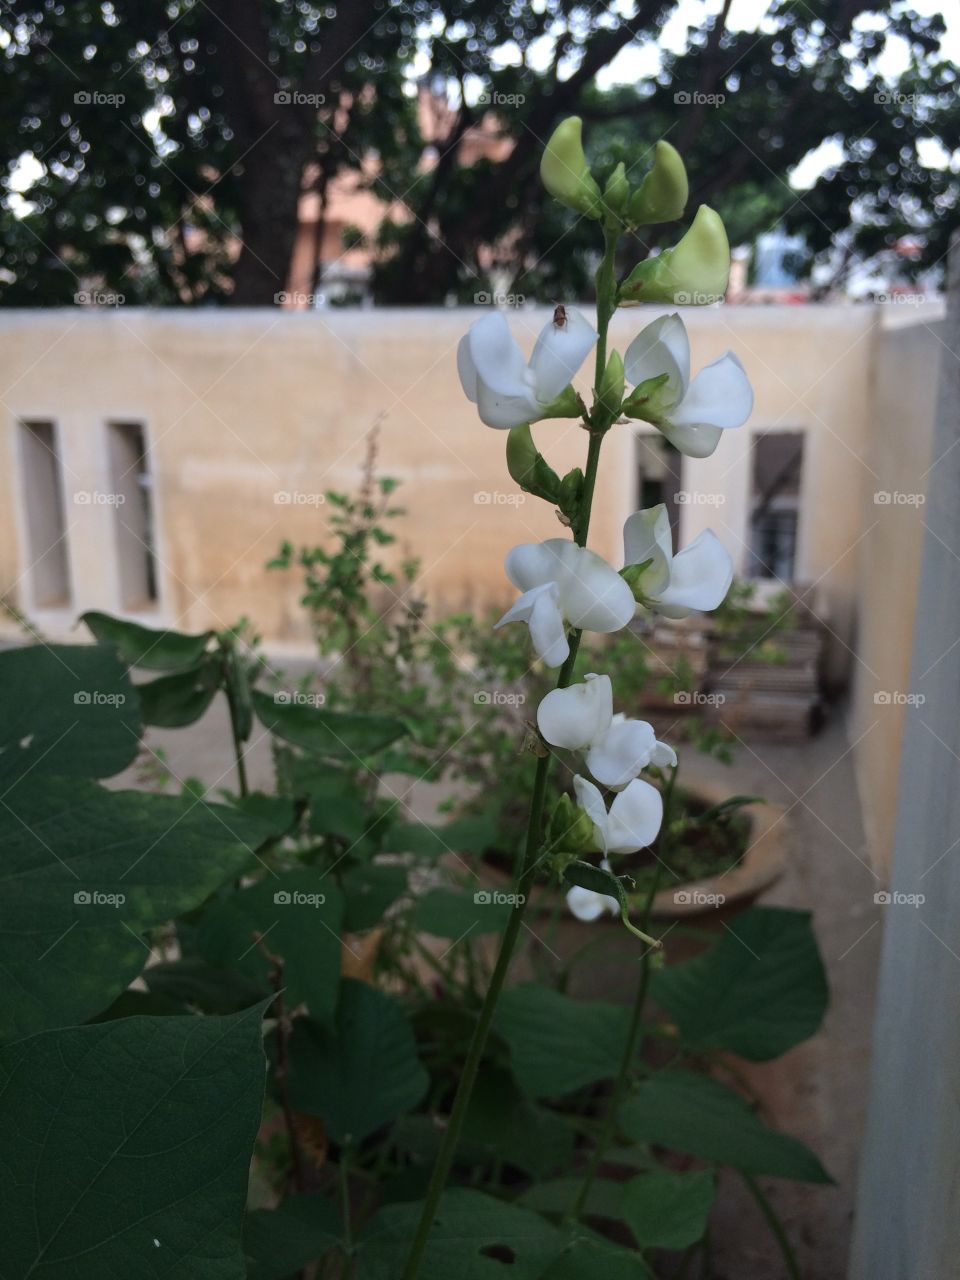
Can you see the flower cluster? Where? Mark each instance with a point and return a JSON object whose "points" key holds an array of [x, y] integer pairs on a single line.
{"points": [[566, 588]]}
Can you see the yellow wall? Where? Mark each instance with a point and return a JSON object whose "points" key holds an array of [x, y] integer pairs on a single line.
{"points": [[240, 406]]}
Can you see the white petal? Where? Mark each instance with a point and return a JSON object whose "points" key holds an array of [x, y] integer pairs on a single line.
{"points": [[700, 576], [693, 441], [719, 396], [634, 818], [647, 536], [587, 905], [539, 610], [592, 594], [467, 369], [621, 753], [559, 353], [496, 357], [664, 756], [662, 347], [577, 716], [591, 802], [501, 411]]}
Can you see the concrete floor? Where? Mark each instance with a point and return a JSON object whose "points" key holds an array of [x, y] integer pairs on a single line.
{"points": [[817, 1092]]}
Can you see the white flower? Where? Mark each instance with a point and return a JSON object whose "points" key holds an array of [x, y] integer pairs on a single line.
{"points": [[581, 718], [564, 585], [691, 414], [695, 579], [497, 379], [634, 818], [588, 905]]}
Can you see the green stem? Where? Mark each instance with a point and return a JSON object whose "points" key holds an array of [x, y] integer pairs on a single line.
{"points": [[606, 304], [632, 1044], [229, 688], [471, 1066], [776, 1227]]}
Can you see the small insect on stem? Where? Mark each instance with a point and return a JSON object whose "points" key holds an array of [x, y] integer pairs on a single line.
{"points": [[560, 316]]}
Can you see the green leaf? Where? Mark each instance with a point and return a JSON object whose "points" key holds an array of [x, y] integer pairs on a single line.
{"points": [[459, 913], [501, 1124], [280, 1242], [759, 991], [337, 808], [174, 701], [127, 1147], [298, 916], [65, 709], [343, 735], [144, 647], [364, 1073], [192, 982], [528, 466], [693, 1113], [558, 1044], [470, 834], [557, 1197], [592, 1258], [472, 1238], [368, 893], [86, 872], [667, 1210]]}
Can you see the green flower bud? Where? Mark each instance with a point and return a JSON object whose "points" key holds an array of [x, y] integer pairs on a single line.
{"points": [[564, 172], [611, 386], [693, 273], [662, 195], [571, 488], [616, 193], [528, 467], [571, 831]]}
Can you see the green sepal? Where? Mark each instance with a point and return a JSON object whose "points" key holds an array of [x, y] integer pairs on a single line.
{"points": [[645, 401], [529, 468]]}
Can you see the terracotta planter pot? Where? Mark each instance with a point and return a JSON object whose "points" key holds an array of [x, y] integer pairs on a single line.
{"points": [[693, 912]]}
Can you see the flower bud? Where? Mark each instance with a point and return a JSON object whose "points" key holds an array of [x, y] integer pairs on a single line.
{"points": [[662, 195], [694, 272], [571, 830], [564, 172], [611, 387], [616, 193], [528, 467]]}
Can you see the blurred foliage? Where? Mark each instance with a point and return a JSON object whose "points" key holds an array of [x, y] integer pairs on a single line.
{"points": [[174, 136]]}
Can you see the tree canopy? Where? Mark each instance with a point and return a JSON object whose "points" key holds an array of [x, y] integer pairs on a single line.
{"points": [[158, 151]]}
